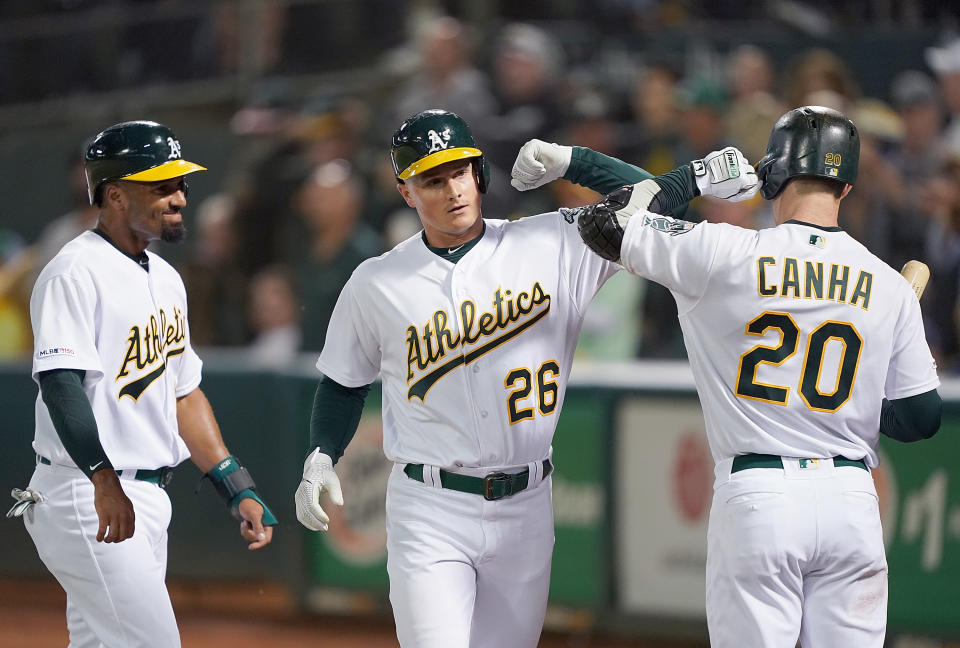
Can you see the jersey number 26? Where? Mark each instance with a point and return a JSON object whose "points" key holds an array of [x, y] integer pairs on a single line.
{"points": [[521, 380]]}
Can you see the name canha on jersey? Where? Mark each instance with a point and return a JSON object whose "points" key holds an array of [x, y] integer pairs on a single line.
{"points": [[473, 356], [795, 333], [96, 309]]}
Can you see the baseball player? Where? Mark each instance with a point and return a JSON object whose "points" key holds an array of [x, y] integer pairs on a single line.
{"points": [[471, 326], [119, 403], [797, 335]]}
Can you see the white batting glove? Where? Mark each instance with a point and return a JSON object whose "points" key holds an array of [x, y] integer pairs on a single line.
{"points": [[318, 477], [726, 174], [538, 163]]}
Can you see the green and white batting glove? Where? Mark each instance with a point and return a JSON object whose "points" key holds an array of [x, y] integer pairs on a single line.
{"points": [[539, 163], [726, 174], [318, 478]]}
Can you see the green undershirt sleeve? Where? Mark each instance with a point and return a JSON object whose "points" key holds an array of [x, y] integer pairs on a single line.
{"points": [[603, 174], [677, 189], [72, 416], [336, 414], [913, 418]]}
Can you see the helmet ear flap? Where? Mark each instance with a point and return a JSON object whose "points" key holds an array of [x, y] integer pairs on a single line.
{"points": [[763, 174], [481, 169]]}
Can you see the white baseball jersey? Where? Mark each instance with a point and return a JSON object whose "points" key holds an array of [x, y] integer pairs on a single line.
{"points": [[794, 333], [474, 356], [95, 308]]}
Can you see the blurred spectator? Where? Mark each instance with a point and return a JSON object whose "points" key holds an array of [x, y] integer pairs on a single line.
{"points": [[62, 229], [815, 70], [274, 168], [867, 213], [274, 317], [651, 140], [446, 78], [945, 62], [753, 109], [941, 195], [330, 204], [526, 67], [15, 264], [918, 160], [702, 104], [215, 280]]}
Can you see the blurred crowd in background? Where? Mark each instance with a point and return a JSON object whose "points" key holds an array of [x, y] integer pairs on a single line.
{"points": [[310, 192]]}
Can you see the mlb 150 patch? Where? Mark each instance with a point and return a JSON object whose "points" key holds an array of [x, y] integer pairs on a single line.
{"points": [[54, 351]]}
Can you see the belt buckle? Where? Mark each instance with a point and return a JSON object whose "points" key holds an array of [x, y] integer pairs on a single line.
{"points": [[166, 474], [491, 480]]}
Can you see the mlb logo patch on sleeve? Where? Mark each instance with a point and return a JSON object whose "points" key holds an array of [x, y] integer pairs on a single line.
{"points": [[55, 351]]}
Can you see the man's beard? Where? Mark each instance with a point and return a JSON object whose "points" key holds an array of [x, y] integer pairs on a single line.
{"points": [[173, 233]]}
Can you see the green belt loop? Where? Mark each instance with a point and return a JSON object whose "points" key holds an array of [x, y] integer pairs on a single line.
{"points": [[747, 461], [493, 487]]}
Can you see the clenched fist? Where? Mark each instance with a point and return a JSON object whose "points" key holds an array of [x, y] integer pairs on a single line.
{"points": [[538, 163], [726, 174]]}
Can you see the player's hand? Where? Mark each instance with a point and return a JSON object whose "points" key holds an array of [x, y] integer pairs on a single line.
{"points": [[251, 524], [726, 174], [114, 508], [318, 478], [538, 163]]}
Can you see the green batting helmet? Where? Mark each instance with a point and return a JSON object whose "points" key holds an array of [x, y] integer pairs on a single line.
{"points": [[809, 141], [140, 151], [431, 138]]}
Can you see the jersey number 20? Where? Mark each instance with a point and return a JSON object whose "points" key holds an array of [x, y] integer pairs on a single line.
{"points": [[521, 380], [843, 332]]}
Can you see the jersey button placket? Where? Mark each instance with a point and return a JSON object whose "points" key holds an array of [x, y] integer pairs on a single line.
{"points": [[459, 295]]}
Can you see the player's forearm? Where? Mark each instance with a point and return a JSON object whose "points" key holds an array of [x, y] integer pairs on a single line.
{"points": [[913, 418], [604, 174], [600, 172], [73, 419], [199, 430], [336, 414]]}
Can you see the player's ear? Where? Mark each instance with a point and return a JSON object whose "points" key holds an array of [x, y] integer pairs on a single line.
{"points": [[846, 190], [113, 195], [405, 192]]}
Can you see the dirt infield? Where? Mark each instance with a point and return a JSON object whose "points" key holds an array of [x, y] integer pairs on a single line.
{"points": [[235, 616]]}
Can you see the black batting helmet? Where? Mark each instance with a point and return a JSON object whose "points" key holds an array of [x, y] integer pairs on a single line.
{"points": [[809, 141], [140, 151], [431, 138]]}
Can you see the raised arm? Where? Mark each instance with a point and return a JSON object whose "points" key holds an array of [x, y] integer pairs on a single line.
{"points": [[539, 163]]}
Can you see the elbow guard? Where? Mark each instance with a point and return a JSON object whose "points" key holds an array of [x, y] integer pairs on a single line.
{"points": [[602, 224]]}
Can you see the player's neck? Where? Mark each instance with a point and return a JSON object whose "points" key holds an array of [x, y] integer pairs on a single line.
{"points": [[123, 237], [816, 209], [440, 239]]}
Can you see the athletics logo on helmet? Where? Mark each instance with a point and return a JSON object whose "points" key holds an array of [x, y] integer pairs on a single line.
{"points": [[431, 138], [809, 141], [139, 151]]}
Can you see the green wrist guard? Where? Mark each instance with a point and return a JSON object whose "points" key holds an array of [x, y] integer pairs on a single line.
{"points": [[233, 483]]}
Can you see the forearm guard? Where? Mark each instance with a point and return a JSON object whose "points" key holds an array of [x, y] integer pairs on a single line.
{"points": [[233, 483]]}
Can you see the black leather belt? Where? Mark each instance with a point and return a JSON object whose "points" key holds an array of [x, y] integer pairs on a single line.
{"points": [[744, 462], [493, 487], [159, 476]]}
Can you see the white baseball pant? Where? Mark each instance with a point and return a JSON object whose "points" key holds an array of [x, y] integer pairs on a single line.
{"points": [[796, 553], [466, 572], [116, 594]]}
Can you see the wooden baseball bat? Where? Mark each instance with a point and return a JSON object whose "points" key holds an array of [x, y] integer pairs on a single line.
{"points": [[917, 273]]}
